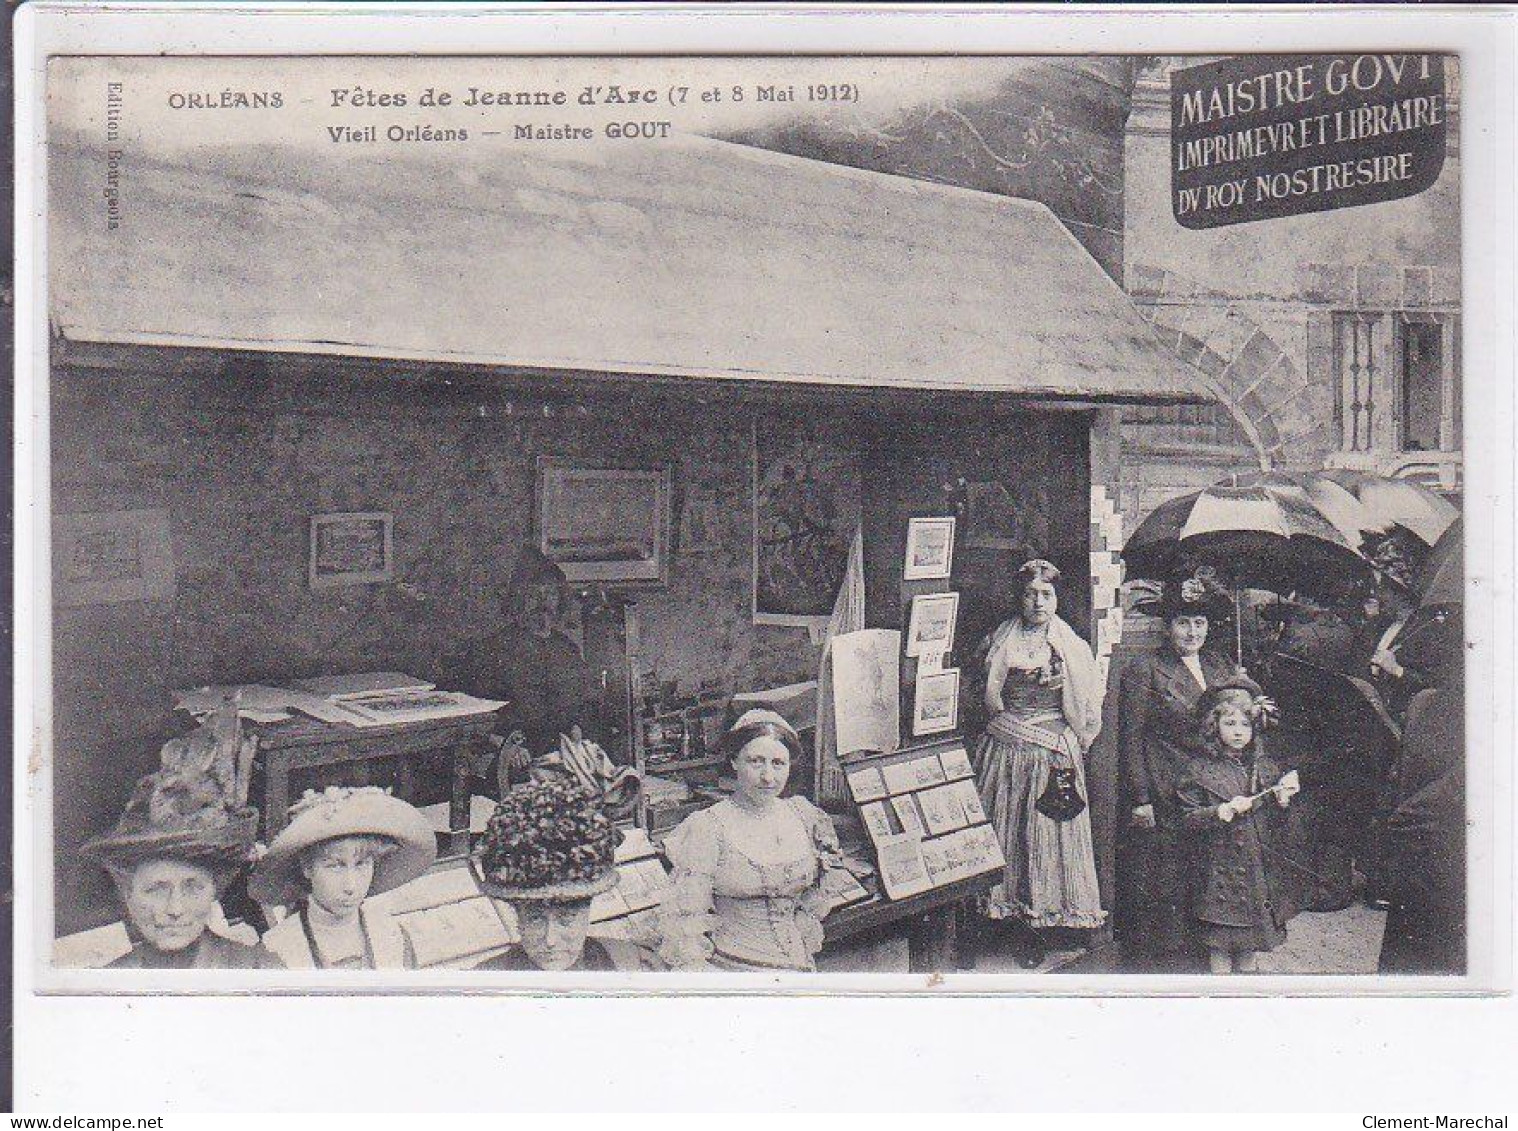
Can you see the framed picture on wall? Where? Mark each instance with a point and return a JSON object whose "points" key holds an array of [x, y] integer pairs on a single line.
{"points": [[931, 627], [936, 706], [930, 548], [351, 548], [114, 556], [604, 524]]}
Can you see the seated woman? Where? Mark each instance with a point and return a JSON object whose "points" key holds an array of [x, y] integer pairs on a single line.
{"points": [[342, 846], [752, 874], [184, 836]]}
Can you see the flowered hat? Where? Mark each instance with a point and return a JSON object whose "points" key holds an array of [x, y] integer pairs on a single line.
{"points": [[1195, 595], [192, 808], [1241, 692], [548, 841], [338, 812]]}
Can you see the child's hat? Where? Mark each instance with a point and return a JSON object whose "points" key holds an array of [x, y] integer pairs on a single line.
{"points": [[1235, 691], [342, 812]]}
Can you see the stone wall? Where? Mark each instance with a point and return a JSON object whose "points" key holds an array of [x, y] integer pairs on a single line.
{"points": [[1251, 306]]}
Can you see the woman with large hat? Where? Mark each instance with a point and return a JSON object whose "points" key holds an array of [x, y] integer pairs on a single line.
{"points": [[342, 846], [548, 851], [1157, 695], [184, 836]]}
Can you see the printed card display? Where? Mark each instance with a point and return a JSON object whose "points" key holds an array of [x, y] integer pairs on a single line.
{"points": [[956, 763], [915, 773], [903, 872], [906, 812], [935, 707], [987, 849], [936, 859], [876, 820], [930, 630], [942, 809], [866, 784], [967, 794]]}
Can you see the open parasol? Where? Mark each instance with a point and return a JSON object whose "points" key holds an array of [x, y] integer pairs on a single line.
{"points": [[1256, 532], [1436, 628], [1393, 503], [1442, 579]]}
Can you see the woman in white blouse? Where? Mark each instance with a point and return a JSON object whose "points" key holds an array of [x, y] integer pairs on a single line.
{"points": [[751, 873]]}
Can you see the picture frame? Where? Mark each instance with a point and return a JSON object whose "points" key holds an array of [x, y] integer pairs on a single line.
{"points": [[114, 556], [604, 523], [935, 707], [930, 628], [930, 549], [351, 548]]}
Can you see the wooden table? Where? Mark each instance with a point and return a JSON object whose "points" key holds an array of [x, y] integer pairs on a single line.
{"points": [[302, 743], [930, 918]]}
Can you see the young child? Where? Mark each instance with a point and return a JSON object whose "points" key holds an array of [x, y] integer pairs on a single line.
{"points": [[1229, 797], [341, 847]]}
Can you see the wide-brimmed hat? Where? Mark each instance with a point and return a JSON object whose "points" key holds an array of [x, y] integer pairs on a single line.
{"points": [[188, 810], [341, 812], [569, 891], [548, 841], [1238, 690], [1193, 596], [217, 838]]}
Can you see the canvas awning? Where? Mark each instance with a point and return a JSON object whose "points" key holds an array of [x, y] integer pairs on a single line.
{"points": [[689, 257]]}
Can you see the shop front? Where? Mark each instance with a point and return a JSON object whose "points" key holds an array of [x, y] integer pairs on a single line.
{"points": [[691, 374]]}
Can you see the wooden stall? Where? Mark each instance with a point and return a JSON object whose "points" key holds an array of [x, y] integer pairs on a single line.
{"points": [[358, 342]]}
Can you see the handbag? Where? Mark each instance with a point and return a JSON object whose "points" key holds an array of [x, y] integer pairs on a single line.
{"points": [[1061, 799]]}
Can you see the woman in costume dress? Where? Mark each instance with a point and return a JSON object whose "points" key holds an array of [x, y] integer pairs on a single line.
{"points": [[752, 874], [1044, 696]]}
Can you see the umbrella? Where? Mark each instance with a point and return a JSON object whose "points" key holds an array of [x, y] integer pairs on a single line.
{"points": [[1401, 503], [1265, 535], [1435, 631], [1442, 579], [1332, 500], [1261, 534]]}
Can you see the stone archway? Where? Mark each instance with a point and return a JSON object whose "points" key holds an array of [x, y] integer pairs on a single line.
{"points": [[1236, 359]]}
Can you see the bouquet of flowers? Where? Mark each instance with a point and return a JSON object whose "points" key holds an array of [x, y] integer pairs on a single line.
{"points": [[545, 835]]}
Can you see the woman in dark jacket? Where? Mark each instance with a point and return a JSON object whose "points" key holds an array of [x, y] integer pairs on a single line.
{"points": [[1157, 733], [1424, 836]]}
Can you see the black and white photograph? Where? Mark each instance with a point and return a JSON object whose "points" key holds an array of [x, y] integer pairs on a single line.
{"points": [[930, 627], [490, 500], [1257, 419]]}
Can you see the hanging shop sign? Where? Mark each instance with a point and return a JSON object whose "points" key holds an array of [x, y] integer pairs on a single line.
{"points": [[1264, 136]]}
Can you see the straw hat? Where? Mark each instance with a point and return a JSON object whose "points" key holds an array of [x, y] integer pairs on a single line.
{"points": [[339, 812]]}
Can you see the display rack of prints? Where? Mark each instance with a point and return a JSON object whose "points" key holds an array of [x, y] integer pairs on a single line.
{"points": [[628, 910], [923, 814]]}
